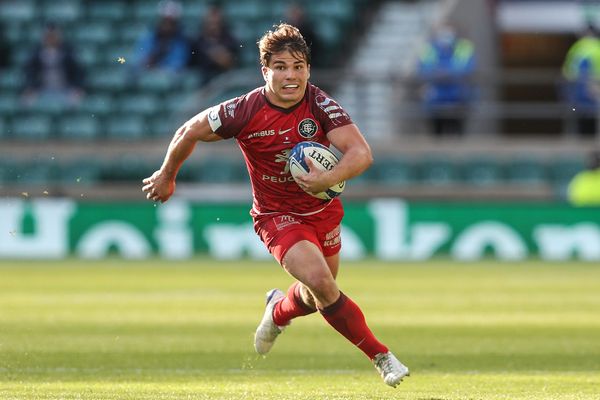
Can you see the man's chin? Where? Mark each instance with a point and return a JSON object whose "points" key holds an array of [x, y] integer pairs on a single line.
{"points": [[291, 97]]}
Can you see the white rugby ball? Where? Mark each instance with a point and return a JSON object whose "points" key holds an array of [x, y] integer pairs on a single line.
{"points": [[322, 158]]}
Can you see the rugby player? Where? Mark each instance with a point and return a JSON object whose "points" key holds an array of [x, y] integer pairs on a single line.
{"points": [[302, 232]]}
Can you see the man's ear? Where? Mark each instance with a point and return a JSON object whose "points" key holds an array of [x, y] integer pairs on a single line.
{"points": [[308, 68], [264, 71]]}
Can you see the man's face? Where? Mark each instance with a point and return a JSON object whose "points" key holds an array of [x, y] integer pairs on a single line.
{"points": [[52, 37], [286, 77], [167, 26]]}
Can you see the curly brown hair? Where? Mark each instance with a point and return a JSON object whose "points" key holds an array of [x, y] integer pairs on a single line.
{"points": [[283, 37]]}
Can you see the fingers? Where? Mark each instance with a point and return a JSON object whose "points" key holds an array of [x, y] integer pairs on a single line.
{"points": [[150, 190], [148, 184], [301, 181], [155, 197], [302, 185], [152, 196], [309, 163], [156, 188]]}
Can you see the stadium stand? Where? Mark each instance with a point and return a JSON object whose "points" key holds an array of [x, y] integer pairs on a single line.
{"points": [[121, 109]]}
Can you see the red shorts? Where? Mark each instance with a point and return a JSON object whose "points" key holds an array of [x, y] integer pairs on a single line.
{"points": [[280, 231]]}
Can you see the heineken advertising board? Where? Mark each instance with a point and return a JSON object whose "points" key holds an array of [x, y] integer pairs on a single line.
{"points": [[388, 229]]}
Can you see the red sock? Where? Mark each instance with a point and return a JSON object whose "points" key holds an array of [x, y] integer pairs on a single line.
{"points": [[291, 306], [345, 316]]}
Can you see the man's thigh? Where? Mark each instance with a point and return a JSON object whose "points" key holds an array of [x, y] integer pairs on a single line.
{"points": [[279, 233]]}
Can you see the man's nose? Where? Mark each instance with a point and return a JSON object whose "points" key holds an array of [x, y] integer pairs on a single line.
{"points": [[290, 73]]}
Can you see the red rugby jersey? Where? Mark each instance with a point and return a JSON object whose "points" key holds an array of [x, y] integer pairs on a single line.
{"points": [[267, 133]]}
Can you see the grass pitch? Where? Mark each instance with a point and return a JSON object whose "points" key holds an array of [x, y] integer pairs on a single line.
{"points": [[162, 330]]}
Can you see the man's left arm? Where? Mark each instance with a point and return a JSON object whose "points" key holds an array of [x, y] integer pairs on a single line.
{"points": [[356, 159]]}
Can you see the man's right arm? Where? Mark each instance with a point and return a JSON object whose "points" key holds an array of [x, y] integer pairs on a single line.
{"points": [[161, 185]]}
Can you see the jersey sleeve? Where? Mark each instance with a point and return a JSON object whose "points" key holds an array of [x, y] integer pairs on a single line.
{"points": [[330, 114], [228, 118]]}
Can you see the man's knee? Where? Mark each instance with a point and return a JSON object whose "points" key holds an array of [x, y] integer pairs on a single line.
{"points": [[323, 288], [305, 262], [306, 296]]}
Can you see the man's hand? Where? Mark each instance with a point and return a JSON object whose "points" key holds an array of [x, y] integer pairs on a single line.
{"points": [[316, 181], [159, 186]]}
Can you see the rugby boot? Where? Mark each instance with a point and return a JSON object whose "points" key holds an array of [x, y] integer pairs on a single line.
{"points": [[390, 368], [267, 330]]}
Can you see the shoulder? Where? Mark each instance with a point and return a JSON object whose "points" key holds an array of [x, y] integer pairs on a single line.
{"points": [[319, 99], [322, 99], [582, 44], [465, 45], [248, 103], [255, 95], [582, 178], [326, 109], [229, 117], [427, 50]]}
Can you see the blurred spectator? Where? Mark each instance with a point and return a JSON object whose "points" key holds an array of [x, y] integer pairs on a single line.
{"points": [[295, 15], [52, 74], [214, 50], [165, 47], [584, 188], [581, 70], [5, 50], [446, 65]]}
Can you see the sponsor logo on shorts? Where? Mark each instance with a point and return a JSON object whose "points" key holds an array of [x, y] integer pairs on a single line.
{"points": [[333, 238], [307, 128], [333, 233], [283, 221]]}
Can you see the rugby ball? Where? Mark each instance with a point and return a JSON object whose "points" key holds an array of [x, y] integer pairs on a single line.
{"points": [[322, 158]]}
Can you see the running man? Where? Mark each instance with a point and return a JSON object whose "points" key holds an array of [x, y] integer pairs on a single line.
{"points": [[301, 231]]}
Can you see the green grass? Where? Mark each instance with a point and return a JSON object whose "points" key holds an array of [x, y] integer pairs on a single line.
{"points": [[161, 330]]}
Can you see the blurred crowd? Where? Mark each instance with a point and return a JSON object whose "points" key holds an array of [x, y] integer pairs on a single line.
{"points": [[447, 64], [212, 50], [87, 103], [54, 73], [581, 70]]}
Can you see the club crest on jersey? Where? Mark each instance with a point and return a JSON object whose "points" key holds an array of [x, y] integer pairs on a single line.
{"points": [[307, 128]]}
